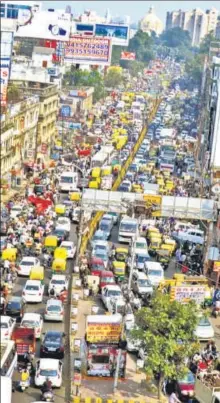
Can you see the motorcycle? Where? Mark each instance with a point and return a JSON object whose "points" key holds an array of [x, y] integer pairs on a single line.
{"points": [[47, 396], [215, 312]]}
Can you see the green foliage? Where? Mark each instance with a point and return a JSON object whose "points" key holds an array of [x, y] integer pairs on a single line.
{"points": [[166, 331], [116, 55], [194, 68], [175, 37], [113, 77], [142, 45], [86, 78], [205, 44], [135, 67]]}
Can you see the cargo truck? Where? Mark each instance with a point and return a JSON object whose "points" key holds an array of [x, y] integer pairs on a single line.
{"points": [[205, 393]]}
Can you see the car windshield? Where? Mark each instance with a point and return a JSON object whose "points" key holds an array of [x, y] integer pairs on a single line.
{"points": [[101, 255], [55, 340], [108, 279], [69, 247], [63, 222], [13, 305], [128, 227], [59, 232], [4, 325], [48, 372], [66, 179], [97, 266], [204, 321], [16, 209], [140, 245], [58, 282], [99, 248], [142, 259], [152, 272], [143, 283], [104, 226], [30, 323], [26, 263], [32, 287], [53, 308], [114, 293]]}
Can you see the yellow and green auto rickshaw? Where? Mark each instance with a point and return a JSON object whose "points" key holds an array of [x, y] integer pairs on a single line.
{"points": [[50, 243], [163, 256], [58, 266], [37, 273], [154, 244], [9, 254], [121, 254], [60, 209], [119, 269]]}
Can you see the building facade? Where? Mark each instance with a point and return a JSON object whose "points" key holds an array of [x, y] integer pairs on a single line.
{"points": [[18, 136], [198, 22]]}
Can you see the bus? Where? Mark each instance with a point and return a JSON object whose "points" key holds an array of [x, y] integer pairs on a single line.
{"points": [[68, 181], [127, 229], [8, 358]]}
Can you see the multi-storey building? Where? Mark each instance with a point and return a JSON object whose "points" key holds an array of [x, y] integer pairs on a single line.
{"points": [[198, 22], [18, 136]]}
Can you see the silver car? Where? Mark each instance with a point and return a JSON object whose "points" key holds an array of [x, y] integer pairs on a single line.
{"points": [[54, 310]]}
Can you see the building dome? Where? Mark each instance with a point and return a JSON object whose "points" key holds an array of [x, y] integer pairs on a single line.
{"points": [[151, 23]]}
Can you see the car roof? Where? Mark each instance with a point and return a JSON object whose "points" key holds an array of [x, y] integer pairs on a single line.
{"points": [[46, 363], [113, 287], [28, 258], [66, 243], [5, 318], [15, 298], [141, 275], [53, 333]]}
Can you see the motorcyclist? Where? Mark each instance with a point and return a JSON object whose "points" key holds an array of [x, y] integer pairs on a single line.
{"points": [[47, 386], [25, 376]]}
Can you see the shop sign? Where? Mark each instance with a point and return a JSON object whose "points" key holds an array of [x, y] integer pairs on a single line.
{"points": [[65, 110], [152, 200], [106, 332], [77, 379], [128, 56], [188, 293]]}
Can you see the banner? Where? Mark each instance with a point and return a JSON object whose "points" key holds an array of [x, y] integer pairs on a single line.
{"points": [[128, 56], [185, 294], [47, 25], [117, 32], [103, 332], [88, 50], [65, 111], [4, 73]]}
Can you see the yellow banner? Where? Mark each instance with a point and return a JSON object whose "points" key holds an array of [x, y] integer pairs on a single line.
{"points": [[103, 332], [152, 200]]}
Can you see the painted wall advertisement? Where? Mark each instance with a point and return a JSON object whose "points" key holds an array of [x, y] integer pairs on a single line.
{"points": [[47, 25], [87, 50], [128, 56], [119, 33], [103, 332]]}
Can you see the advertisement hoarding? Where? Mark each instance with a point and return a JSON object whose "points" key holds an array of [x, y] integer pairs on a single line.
{"points": [[47, 25], [185, 294], [103, 332], [128, 56], [6, 44], [65, 111], [86, 50], [117, 32], [4, 73]]}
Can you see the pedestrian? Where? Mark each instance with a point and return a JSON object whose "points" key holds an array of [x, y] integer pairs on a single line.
{"points": [[173, 398]]}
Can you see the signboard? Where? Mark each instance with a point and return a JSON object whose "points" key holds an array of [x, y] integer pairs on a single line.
{"points": [[47, 25], [6, 44], [185, 294], [103, 332], [65, 111], [4, 74], [118, 32], [153, 201], [73, 125], [128, 56], [86, 50], [77, 378], [52, 71]]}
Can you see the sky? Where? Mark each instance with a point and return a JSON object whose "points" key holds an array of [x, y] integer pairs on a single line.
{"points": [[136, 9]]}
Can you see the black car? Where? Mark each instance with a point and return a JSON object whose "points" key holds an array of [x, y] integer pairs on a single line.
{"points": [[15, 308], [61, 234], [53, 345]]}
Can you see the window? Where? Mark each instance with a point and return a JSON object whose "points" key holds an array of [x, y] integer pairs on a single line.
{"points": [[9, 362], [2, 10], [100, 359]]}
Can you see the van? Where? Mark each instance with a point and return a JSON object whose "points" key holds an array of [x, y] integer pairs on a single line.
{"points": [[140, 284], [155, 273]]}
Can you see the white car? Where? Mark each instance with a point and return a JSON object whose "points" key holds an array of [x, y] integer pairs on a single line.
{"points": [[7, 327], [33, 321], [33, 291], [63, 223], [70, 248], [204, 330], [15, 211], [54, 310], [58, 282], [48, 368], [26, 264], [76, 215], [111, 293]]}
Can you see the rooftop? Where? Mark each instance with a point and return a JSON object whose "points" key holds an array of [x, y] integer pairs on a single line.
{"points": [[36, 88]]}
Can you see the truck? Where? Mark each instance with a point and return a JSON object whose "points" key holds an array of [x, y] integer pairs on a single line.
{"points": [[205, 393]]}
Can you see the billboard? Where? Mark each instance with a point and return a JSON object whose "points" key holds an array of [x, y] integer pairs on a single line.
{"points": [[88, 50], [185, 294], [119, 33], [6, 44], [4, 74], [128, 56], [65, 111], [103, 332], [47, 25]]}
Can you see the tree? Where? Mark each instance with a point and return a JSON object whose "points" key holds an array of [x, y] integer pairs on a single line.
{"points": [[116, 55], [135, 67], [166, 332], [113, 77], [84, 78], [175, 37], [194, 68], [142, 45], [205, 44]]}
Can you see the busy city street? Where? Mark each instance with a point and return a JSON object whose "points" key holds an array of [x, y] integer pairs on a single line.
{"points": [[110, 209]]}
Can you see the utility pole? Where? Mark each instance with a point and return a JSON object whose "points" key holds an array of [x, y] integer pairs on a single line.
{"points": [[117, 370]]}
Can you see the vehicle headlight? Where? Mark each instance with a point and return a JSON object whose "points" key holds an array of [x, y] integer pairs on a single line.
{"points": [[184, 392]]}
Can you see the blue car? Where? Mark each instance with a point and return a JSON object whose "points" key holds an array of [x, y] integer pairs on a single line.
{"points": [[106, 227], [99, 236]]}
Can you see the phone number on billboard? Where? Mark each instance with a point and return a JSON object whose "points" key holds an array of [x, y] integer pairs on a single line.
{"points": [[87, 48]]}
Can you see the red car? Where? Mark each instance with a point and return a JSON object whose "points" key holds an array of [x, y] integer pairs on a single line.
{"points": [[106, 277], [186, 385], [96, 266]]}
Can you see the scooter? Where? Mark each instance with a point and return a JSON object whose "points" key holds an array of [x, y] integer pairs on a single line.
{"points": [[47, 396], [215, 312], [23, 385]]}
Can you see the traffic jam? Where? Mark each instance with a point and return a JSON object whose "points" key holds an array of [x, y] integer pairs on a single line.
{"points": [[127, 256]]}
